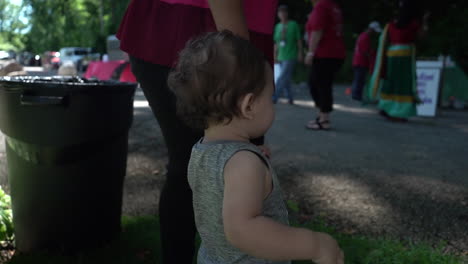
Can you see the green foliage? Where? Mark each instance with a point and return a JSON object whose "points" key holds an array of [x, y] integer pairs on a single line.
{"points": [[139, 243], [12, 26], [448, 33], [293, 206], [71, 23], [6, 217], [59, 23], [363, 250]]}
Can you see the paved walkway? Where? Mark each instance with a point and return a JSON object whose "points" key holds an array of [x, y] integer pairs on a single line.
{"points": [[366, 176], [372, 176]]}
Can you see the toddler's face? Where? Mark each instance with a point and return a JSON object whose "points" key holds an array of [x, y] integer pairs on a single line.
{"points": [[264, 108]]}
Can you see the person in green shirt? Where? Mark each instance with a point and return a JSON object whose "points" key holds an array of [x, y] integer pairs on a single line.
{"points": [[288, 51]]}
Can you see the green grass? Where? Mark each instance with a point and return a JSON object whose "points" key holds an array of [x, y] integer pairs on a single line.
{"points": [[139, 244], [363, 250]]}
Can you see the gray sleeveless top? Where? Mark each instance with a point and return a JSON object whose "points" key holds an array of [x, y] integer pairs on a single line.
{"points": [[206, 179]]}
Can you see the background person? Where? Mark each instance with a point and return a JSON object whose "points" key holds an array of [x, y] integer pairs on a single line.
{"points": [[288, 51], [393, 82], [326, 54], [153, 32], [364, 58]]}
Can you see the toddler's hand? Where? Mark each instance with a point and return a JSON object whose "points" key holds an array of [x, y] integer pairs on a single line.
{"points": [[329, 252]]}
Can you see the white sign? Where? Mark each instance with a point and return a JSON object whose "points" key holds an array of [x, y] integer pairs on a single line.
{"points": [[428, 79]]}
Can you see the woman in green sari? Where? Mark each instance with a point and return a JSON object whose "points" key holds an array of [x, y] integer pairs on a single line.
{"points": [[393, 82]]}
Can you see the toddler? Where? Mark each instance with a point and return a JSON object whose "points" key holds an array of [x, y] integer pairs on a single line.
{"points": [[224, 86]]}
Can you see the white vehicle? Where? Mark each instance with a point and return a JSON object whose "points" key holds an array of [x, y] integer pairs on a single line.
{"points": [[113, 49], [80, 57], [4, 55], [73, 54]]}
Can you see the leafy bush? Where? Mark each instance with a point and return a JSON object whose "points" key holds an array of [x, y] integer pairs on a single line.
{"points": [[6, 217]]}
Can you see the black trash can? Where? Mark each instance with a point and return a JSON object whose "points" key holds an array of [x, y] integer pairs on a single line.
{"points": [[66, 144]]}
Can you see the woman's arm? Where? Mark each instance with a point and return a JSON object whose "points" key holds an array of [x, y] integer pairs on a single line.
{"points": [[300, 46], [315, 37], [229, 14], [300, 50]]}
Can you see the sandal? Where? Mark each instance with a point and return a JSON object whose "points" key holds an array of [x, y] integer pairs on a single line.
{"points": [[313, 122], [319, 125]]}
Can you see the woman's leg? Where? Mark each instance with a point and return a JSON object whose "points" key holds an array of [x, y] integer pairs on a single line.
{"points": [[359, 81], [323, 73], [289, 71], [175, 205], [314, 82], [327, 75]]}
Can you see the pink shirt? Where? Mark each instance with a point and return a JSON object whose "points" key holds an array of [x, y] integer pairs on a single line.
{"points": [[156, 30], [363, 54], [257, 13], [407, 35], [326, 16]]}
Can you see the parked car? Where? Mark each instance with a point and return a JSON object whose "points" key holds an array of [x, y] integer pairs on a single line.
{"points": [[4, 55], [51, 59], [12, 54], [26, 58], [79, 56]]}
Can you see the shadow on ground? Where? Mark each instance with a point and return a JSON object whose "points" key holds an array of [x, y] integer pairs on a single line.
{"points": [[366, 176], [374, 177]]}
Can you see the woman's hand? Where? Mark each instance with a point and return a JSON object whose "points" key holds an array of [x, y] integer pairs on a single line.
{"points": [[309, 57], [300, 57], [315, 37]]}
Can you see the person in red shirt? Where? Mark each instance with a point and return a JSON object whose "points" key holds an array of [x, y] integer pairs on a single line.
{"points": [[364, 57], [326, 54], [153, 32]]}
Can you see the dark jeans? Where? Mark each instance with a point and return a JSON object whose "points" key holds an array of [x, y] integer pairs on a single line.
{"points": [[175, 204], [321, 82], [360, 74]]}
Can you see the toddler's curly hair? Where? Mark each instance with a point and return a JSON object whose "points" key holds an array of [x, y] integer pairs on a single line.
{"points": [[213, 73]]}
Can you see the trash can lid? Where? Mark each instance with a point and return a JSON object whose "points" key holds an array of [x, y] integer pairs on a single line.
{"points": [[70, 84]]}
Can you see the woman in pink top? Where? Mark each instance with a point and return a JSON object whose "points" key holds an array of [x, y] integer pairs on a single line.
{"points": [[326, 54], [153, 32]]}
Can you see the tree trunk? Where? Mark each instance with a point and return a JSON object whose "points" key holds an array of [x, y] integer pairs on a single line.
{"points": [[101, 17]]}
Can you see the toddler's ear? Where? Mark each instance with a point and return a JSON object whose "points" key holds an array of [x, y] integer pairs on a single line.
{"points": [[246, 106]]}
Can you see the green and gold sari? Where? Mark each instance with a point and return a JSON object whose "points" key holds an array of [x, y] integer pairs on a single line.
{"points": [[396, 93]]}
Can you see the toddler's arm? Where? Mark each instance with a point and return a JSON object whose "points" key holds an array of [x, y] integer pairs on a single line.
{"points": [[246, 186]]}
